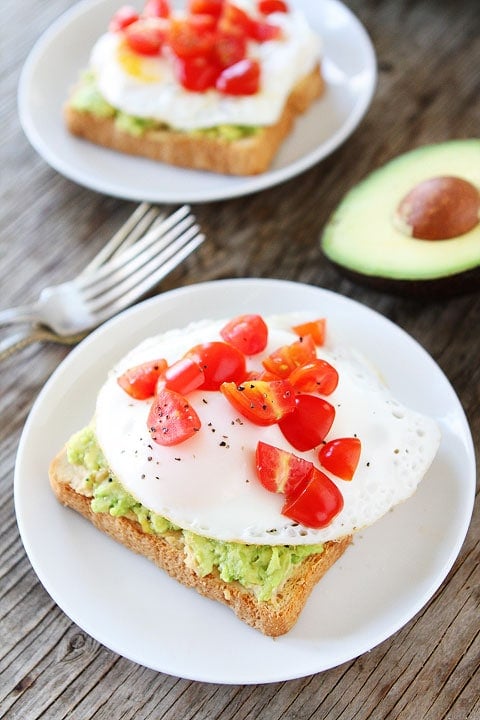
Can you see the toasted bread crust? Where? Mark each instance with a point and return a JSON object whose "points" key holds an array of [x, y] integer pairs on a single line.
{"points": [[246, 156], [274, 617]]}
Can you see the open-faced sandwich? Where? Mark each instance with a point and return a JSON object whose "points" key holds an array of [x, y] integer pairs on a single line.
{"points": [[242, 456], [215, 86]]}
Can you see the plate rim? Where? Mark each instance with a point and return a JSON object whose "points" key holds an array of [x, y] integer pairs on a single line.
{"points": [[88, 345], [244, 186]]}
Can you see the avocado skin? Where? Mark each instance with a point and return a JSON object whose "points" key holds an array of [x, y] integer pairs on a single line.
{"points": [[437, 289], [361, 241]]}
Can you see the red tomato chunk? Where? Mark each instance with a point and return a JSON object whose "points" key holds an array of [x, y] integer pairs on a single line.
{"points": [[183, 376], [220, 363], [140, 381], [341, 456], [280, 471], [309, 423], [248, 333], [260, 401], [172, 419], [317, 376], [317, 504]]}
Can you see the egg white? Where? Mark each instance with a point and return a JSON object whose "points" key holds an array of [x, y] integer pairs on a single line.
{"points": [[208, 484]]}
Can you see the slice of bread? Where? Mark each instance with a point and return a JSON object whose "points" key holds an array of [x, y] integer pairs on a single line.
{"points": [[272, 617], [248, 155]]}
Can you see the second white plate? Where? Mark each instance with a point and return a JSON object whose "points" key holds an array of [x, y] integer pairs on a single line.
{"points": [[133, 608], [58, 57]]}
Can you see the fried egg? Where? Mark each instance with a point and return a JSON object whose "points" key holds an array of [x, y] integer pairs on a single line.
{"points": [[208, 484], [146, 87]]}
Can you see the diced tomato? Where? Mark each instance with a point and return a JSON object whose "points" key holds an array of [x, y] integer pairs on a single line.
{"points": [[203, 23], [125, 16], [248, 333], [280, 471], [196, 74], [230, 48], [316, 376], [147, 36], [315, 328], [341, 456], [316, 504], [234, 19], [183, 376], [242, 78], [286, 358], [206, 7], [220, 363], [270, 6], [260, 375], [187, 40], [263, 31], [309, 423], [157, 8], [261, 402], [172, 419], [140, 381]]}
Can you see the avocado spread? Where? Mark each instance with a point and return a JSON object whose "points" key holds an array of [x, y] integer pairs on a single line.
{"points": [[261, 568], [87, 98]]}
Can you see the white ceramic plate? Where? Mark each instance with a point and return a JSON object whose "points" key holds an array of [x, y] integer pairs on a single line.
{"points": [[62, 52], [126, 603]]}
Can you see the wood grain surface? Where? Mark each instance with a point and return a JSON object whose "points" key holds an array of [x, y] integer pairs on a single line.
{"points": [[428, 91]]}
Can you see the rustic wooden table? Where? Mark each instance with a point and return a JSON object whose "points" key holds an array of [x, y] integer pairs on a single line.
{"points": [[428, 91]]}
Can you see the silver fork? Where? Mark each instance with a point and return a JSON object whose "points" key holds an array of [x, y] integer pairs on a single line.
{"points": [[125, 269]]}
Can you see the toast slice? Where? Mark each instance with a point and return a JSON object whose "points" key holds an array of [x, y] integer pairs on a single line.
{"points": [[249, 155], [273, 617]]}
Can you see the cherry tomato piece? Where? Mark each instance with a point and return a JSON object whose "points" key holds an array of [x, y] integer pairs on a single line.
{"points": [[315, 328], [183, 376], [260, 375], [157, 8], [261, 402], [248, 333], [241, 78], [341, 456], [230, 48], [316, 504], [317, 376], [196, 74], [270, 6], [264, 31], [234, 19], [140, 381], [309, 423], [172, 419], [187, 39], [125, 16], [147, 36], [280, 471], [206, 7], [286, 358], [220, 363]]}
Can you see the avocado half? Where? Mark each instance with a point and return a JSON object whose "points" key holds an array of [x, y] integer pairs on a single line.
{"points": [[413, 225]]}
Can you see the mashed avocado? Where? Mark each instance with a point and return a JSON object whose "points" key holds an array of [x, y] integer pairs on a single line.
{"points": [[87, 98], [261, 568]]}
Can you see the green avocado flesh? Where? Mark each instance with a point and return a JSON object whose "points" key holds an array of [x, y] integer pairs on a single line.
{"points": [[260, 568], [87, 98], [362, 237]]}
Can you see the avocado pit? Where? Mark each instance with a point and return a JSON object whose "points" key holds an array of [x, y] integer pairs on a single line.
{"points": [[439, 208]]}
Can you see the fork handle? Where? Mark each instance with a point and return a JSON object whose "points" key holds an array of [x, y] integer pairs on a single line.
{"points": [[20, 314], [15, 343], [19, 341]]}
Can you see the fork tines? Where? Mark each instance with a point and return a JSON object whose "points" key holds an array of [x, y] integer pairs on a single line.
{"points": [[134, 271]]}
